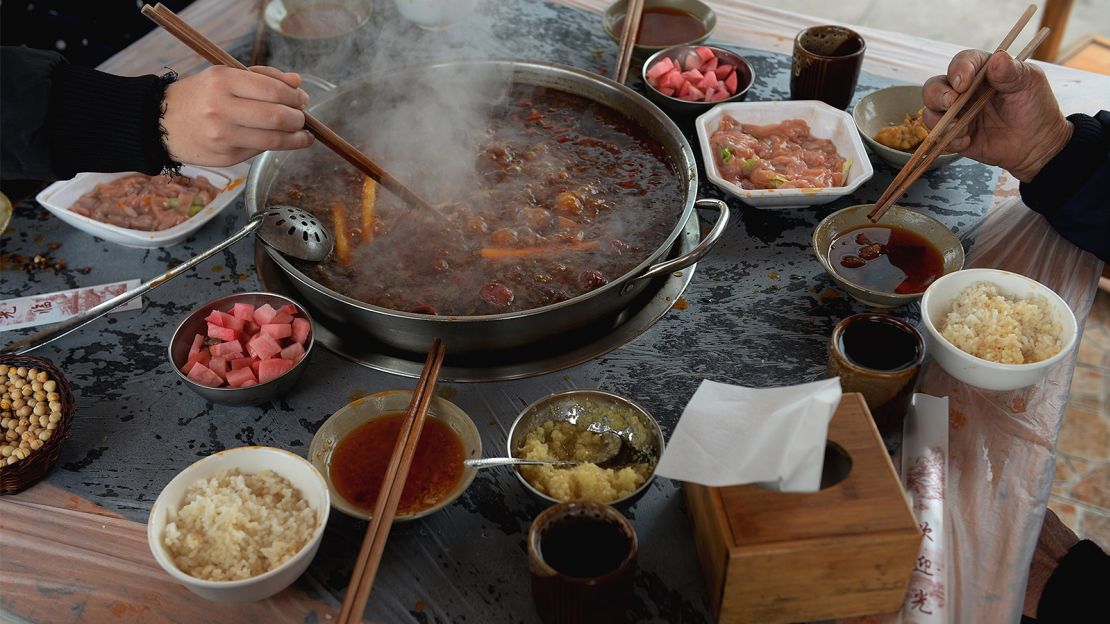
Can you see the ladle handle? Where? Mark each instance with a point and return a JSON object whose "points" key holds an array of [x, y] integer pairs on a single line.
{"points": [[58, 330], [514, 461]]}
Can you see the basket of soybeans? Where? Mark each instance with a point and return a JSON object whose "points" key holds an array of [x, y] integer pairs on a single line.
{"points": [[36, 410]]}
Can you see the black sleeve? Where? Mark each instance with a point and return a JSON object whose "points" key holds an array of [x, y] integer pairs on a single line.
{"points": [[61, 119], [1072, 191], [1077, 588]]}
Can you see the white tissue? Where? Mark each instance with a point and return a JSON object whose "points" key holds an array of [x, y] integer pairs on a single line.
{"points": [[732, 435]]}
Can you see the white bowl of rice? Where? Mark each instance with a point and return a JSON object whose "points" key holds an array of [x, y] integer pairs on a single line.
{"points": [[240, 525], [994, 329]]}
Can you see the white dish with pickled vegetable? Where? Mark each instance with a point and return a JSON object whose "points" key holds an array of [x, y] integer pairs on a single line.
{"points": [[782, 154], [144, 211]]}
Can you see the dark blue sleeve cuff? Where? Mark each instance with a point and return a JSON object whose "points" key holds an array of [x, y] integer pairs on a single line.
{"points": [[1066, 173]]}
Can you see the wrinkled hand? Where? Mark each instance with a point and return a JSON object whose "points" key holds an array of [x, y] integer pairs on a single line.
{"points": [[223, 116], [1020, 129]]}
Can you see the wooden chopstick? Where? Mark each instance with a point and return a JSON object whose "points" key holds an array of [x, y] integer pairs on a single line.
{"points": [[216, 55], [950, 133], [632, 14], [948, 117], [393, 484], [259, 46]]}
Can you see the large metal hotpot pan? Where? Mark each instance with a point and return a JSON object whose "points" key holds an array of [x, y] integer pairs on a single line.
{"points": [[472, 334]]}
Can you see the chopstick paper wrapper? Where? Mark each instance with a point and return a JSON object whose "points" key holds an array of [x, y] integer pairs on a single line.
{"points": [[55, 307], [925, 475], [732, 435]]}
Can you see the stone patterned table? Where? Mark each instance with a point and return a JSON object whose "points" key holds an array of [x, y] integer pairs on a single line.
{"points": [[759, 311]]}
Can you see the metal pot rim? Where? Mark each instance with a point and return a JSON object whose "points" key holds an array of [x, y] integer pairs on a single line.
{"points": [[686, 167]]}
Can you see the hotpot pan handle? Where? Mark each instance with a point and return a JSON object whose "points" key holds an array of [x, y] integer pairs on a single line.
{"points": [[694, 254]]}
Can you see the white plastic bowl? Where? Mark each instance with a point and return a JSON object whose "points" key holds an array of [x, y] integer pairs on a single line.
{"points": [[58, 197], [974, 371], [824, 121], [250, 460]]}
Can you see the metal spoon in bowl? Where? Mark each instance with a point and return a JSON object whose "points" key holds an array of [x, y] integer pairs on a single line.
{"points": [[290, 230], [489, 462]]}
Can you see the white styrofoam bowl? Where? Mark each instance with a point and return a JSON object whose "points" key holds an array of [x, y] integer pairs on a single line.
{"points": [[59, 196], [974, 371], [824, 121], [249, 460]]}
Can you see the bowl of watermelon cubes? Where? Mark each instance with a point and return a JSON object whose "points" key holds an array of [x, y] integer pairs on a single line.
{"points": [[243, 349], [692, 79]]}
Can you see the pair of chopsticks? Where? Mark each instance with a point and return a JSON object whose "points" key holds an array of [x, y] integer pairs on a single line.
{"points": [[631, 28], [216, 55], [949, 126], [373, 544]]}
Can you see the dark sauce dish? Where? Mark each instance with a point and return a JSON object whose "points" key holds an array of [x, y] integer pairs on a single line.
{"points": [[665, 23], [924, 250]]}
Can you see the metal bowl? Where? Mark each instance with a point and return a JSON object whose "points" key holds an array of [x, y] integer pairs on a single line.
{"points": [[745, 78], [888, 107], [853, 217], [644, 434], [366, 409], [699, 10], [252, 395]]}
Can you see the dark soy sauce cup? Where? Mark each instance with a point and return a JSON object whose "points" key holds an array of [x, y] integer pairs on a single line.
{"points": [[880, 357], [582, 556], [826, 65]]}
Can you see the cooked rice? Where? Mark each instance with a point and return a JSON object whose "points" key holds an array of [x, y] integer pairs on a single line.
{"points": [[235, 526], [1002, 329]]}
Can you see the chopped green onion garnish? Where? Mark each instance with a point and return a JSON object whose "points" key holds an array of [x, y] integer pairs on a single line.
{"points": [[749, 165], [778, 180], [198, 200], [846, 168], [173, 202], [726, 155]]}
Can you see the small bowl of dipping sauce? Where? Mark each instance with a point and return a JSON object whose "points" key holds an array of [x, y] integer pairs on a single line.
{"points": [[315, 35], [890, 263], [617, 440], [664, 23], [353, 447]]}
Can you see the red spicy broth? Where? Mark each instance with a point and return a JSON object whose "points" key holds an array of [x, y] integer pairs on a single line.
{"points": [[572, 195]]}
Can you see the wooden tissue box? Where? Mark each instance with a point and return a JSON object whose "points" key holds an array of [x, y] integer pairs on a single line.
{"points": [[843, 551]]}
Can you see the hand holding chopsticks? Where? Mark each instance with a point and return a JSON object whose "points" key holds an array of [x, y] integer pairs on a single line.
{"points": [[216, 55], [950, 126], [373, 544]]}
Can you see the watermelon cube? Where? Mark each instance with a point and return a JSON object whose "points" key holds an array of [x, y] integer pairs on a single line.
{"points": [[202, 356], [730, 83], [263, 347], [218, 365], [222, 333], [301, 327], [722, 71], [705, 53], [709, 81], [243, 311], [215, 318], [198, 344], [235, 378], [695, 95], [249, 382], [204, 376], [268, 370], [277, 331], [674, 79], [718, 96], [289, 309], [280, 317], [227, 350], [667, 91], [265, 313], [710, 65], [692, 61], [292, 352], [659, 69], [693, 76], [709, 93], [242, 362], [188, 367], [254, 366]]}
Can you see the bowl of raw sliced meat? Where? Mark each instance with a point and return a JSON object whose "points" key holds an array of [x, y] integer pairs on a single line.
{"points": [[138, 210], [243, 349], [782, 154]]}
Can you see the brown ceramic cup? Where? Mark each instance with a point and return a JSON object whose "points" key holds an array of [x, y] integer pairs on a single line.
{"points": [[880, 357], [582, 556], [826, 65]]}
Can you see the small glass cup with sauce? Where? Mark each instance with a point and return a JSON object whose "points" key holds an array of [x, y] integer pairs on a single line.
{"points": [[582, 556], [880, 357], [826, 65]]}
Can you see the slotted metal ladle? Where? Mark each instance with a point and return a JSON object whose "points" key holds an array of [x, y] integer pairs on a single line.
{"points": [[290, 230]]}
